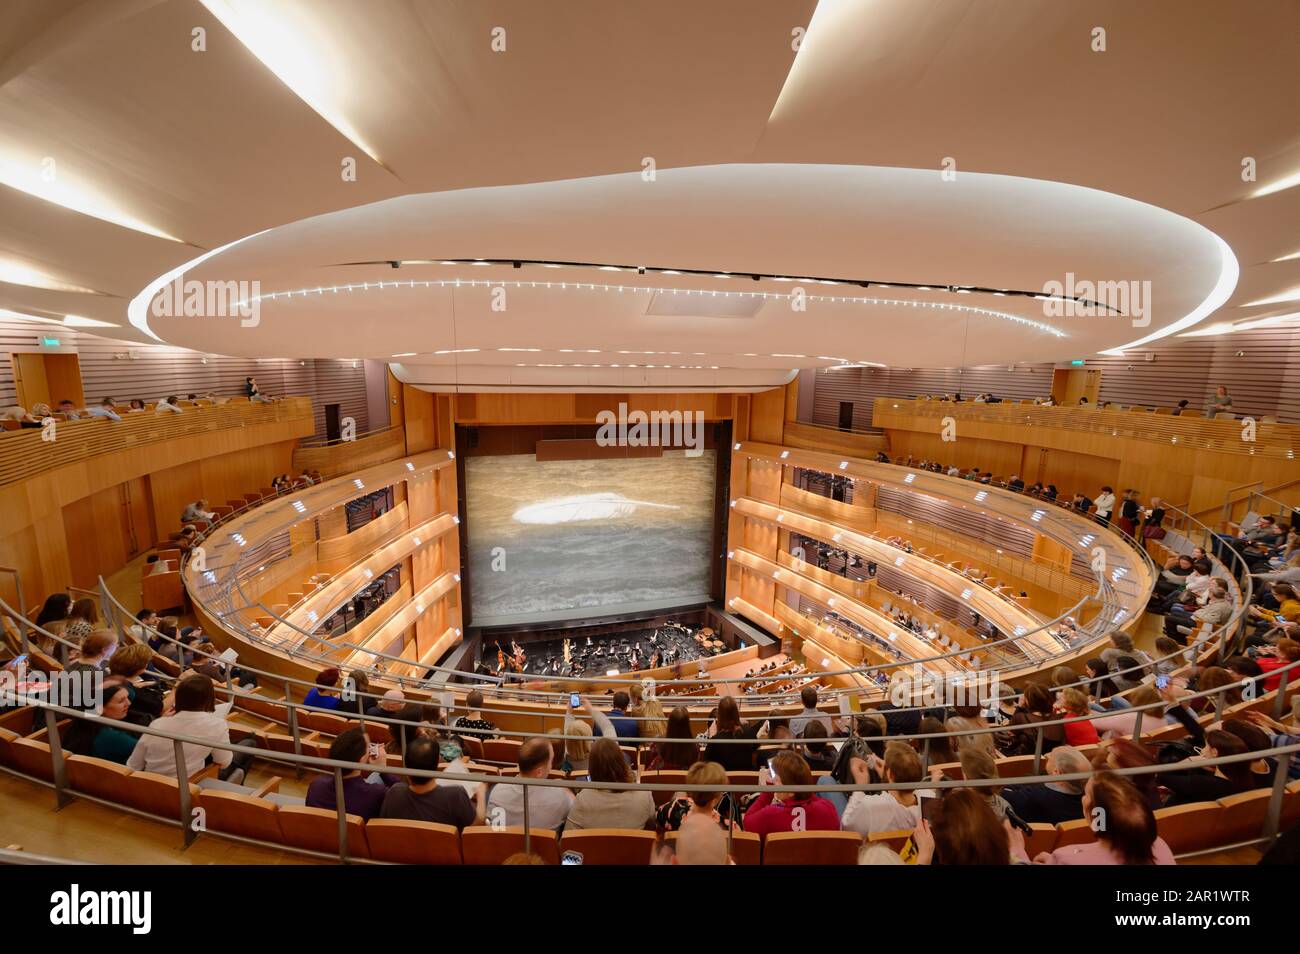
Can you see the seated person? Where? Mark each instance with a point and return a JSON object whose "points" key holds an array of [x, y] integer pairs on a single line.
{"points": [[608, 808], [548, 806], [361, 796], [1052, 802], [775, 810], [168, 405], [421, 799], [472, 722], [102, 741], [718, 807], [324, 695], [893, 810]]}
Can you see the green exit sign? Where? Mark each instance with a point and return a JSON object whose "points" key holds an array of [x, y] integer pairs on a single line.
{"points": [[1077, 362], [51, 342]]}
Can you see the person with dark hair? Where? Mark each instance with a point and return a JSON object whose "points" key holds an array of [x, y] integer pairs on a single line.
{"points": [[776, 810], [810, 713], [548, 807], [817, 752], [424, 799], [103, 741], [146, 620], [610, 808], [1102, 686], [1187, 785], [964, 831], [360, 795], [472, 722], [624, 727], [733, 757], [683, 751], [194, 714], [1127, 837], [1036, 702], [324, 695], [53, 616]]}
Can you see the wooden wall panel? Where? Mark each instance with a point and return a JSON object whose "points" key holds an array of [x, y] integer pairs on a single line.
{"points": [[1264, 378], [125, 370]]}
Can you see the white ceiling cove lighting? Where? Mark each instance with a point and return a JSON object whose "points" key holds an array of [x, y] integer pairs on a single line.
{"points": [[1290, 182], [1228, 327], [26, 174], [301, 57], [1291, 294], [17, 273], [1228, 273], [77, 321]]}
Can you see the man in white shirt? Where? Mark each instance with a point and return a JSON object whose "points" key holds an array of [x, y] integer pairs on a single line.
{"points": [[548, 807], [197, 511], [168, 405], [810, 713], [147, 620], [896, 810], [194, 715]]}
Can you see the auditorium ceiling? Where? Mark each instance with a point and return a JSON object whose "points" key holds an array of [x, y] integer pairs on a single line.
{"points": [[891, 184]]}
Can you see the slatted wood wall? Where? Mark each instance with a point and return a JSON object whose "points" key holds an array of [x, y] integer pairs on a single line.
{"points": [[125, 370], [1264, 379]]}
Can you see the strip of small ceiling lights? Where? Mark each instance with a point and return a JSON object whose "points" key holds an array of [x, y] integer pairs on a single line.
{"points": [[752, 276]]}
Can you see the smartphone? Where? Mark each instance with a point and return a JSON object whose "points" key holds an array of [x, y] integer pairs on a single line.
{"points": [[771, 770], [18, 660], [376, 750], [928, 805], [574, 701], [1017, 821], [1162, 681], [571, 858]]}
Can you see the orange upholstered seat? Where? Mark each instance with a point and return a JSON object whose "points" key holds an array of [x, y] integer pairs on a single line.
{"points": [[481, 845], [317, 829], [610, 846], [812, 848], [413, 842]]}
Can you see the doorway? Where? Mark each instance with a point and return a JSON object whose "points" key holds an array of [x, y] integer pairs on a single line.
{"points": [[42, 377], [846, 415]]}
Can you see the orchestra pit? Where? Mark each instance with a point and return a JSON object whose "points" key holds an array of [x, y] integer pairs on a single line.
{"points": [[743, 433]]}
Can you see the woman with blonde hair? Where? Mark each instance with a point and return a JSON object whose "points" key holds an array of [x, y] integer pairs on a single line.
{"points": [[718, 807]]}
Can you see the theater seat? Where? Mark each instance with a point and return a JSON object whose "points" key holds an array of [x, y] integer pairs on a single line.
{"points": [[1041, 838], [746, 847], [812, 848], [894, 840], [32, 758], [1077, 831], [672, 777], [413, 842], [481, 845], [610, 846], [501, 750], [156, 794], [1290, 803], [1188, 827], [98, 777], [1241, 817], [317, 829], [243, 815]]}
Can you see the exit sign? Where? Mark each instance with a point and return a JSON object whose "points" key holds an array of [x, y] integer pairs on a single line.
{"points": [[50, 342], [1077, 362]]}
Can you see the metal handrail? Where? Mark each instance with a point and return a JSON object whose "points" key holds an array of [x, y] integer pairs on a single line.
{"points": [[1283, 755], [1083, 683]]}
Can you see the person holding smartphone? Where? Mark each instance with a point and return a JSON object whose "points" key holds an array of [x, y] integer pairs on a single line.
{"points": [[775, 811], [891, 810], [361, 796]]}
